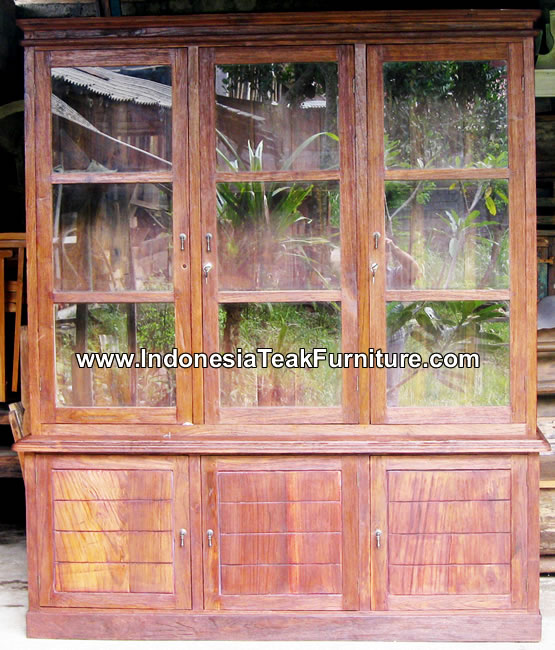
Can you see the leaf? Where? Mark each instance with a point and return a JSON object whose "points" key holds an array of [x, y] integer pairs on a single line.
{"points": [[490, 205]]}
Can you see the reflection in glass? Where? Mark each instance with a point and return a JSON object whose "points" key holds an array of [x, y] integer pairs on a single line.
{"points": [[112, 237], [111, 119], [285, 328], [445, 114], [465, 326], [447, 234], [279, 235], [113, 328], [277, 116]]}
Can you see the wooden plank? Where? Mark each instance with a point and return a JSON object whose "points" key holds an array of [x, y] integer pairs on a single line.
{"points": [[280, 517], [363, 228], [91, 516], [411, 295], [453, 52], [446, 579], [208, 218], [104, 547], [31, 517], [71, 178], [149, 414], [533, 567], [446, 485], [281, 579], [364, 532], [105, 57], [437, 549], [348, 228], [379, 522], [449, 174], [287, 176], [530, 228], [126, 297], [195, 236], [92, 577], [280, 548], [210, 521], [519, 526], [299, 54], [295, 626], [33, 413], [196, 531], [273, 485], [284, 414], [376, 223], [181, 215], [111, 485], [450, 517], [349, 524], [450, 602], [517, 252], [43, 252], [321, 295]]}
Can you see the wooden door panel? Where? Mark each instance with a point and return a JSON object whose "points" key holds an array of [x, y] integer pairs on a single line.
{"points": [[114, 530], [284, 533], [451, 534]]}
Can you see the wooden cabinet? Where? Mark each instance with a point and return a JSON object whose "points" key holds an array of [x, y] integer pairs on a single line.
{"points": [[453, 532], [284, 533], [231, 220], [111, 529]]}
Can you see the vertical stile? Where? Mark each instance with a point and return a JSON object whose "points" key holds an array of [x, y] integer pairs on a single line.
{"points": [[517, 230], [194, 229], [376, 289], [44, 236], [208, 223], [181, 210], [348, 230]]}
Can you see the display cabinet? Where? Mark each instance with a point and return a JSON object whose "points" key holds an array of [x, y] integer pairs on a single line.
{"points": [[238, 215]]}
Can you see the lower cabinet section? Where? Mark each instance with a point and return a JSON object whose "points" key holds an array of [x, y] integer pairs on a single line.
{"points": [[110, 532], [284, 533], [312, 534], [455, 532]]}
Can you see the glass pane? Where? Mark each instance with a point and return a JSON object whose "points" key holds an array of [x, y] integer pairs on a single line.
{"points": [[447, 234], [111, 119], [286, 328], [278, 235], [449, 328], [445, 114], [114, 328], [112, 237], [276, 116]]}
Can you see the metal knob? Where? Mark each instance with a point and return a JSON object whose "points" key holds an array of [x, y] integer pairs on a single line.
{"points": [[376, 236], [182, 237], [373, 269], [209, 534], [182, 534], [378, 534], [206, 270]]}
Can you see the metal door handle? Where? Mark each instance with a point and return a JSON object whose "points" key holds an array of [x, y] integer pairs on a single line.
{"points": [[208, 237], [206, 270], [376, 236], [182, 534], [373, 269], [378, 534], [182, 237], [209, 534]]}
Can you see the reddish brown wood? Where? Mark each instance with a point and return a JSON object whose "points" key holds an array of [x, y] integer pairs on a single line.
{"points": [[129, 297], [454, 52], [282, 528], [70, 178], [112, 527], [293, 626], [445, 174]]}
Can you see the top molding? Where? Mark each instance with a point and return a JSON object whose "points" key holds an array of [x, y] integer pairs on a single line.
{"points": [[282, 28]]}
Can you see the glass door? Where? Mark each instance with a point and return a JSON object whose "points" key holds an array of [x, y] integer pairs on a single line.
{"points": [[452, 187], [278, 263]]}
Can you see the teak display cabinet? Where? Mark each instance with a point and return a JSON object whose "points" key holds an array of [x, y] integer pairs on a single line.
{"points": [[216, 184]]}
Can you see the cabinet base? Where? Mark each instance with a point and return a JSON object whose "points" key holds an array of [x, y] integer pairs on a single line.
{"points": [[286, 626]]}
